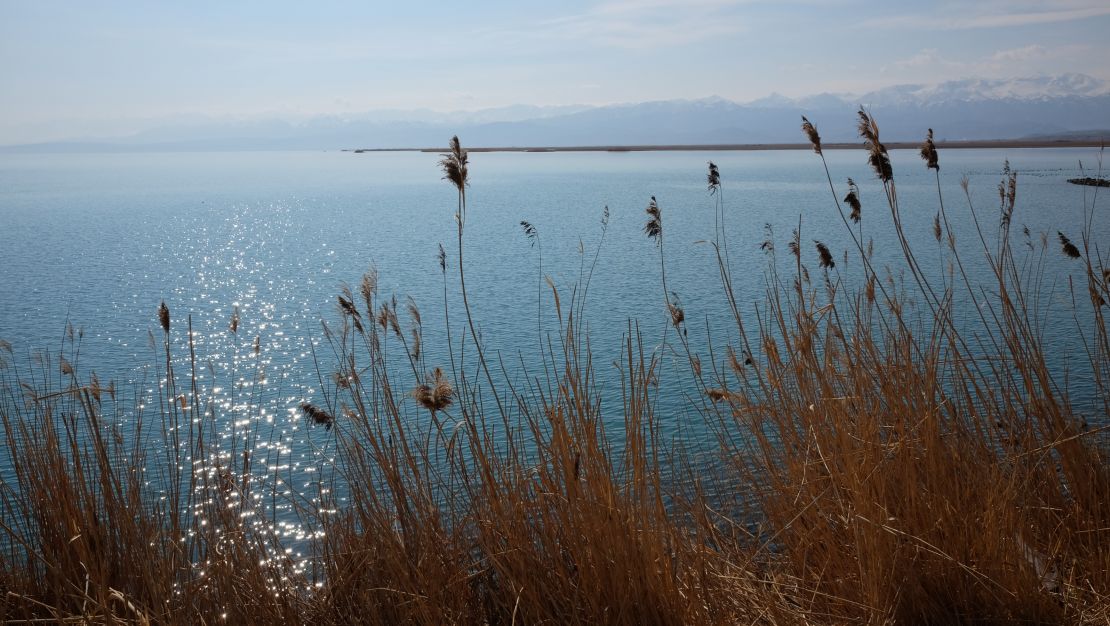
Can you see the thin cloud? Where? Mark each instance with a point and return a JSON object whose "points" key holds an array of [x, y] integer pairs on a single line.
{"points": [[931, 65], [997, 19], [649, 23], [1026, 53]]}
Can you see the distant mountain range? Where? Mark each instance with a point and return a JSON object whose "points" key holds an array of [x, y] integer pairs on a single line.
{"points": [[972, 109]]}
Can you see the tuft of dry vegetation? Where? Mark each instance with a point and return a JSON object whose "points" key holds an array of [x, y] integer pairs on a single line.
{"points": [[878, 462]]}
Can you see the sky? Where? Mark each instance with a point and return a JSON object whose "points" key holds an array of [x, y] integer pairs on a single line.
{"points": [[106, 68]]}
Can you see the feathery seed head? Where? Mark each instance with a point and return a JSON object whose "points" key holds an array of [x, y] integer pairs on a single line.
{"points": [[654, 226], [318, 415], [341, 380], [454, 165], [867, 127], [1069, 248], [768, 244], [877, 155], [164, 317], [717, 395], [413, 310], [674, 307], [529, 231], [852, 200], [369, 287], [811, 133], [347, 308], [929, 152], [714, 178], [436, 393], [826, 261], [1007, 193]]}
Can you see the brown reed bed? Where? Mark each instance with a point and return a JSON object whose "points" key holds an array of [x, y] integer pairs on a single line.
{"points": [[893, 475]]}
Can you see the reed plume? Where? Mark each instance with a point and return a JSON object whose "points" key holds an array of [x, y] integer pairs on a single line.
{"points": [[1069, 248], [347, 301], [341, 380], [454, 165], [369, 287], [416, 330], [929, 152], [811, 133], [441, 257], [717, 395], [768, 243], [826, 261], [674, 307], [529, 231], [1007, 194], [413, 311], [387, 317], [94, 387], [436, 394], [713, 178], [164, 317], [234, 325], [318, 415], [852, 200], [347, 308], [877, 154], [654, 226], [1096, 298]]}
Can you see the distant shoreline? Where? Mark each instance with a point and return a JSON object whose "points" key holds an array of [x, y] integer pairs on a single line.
{"points": [[894, 145]]}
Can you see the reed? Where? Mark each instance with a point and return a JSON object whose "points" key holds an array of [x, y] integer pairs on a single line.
{"points": [[873, 466]]}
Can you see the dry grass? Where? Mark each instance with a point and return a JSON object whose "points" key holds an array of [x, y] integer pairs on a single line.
{"points": [[894, 475]]}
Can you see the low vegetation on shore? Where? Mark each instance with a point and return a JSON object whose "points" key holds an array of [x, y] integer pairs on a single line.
{"points": [[877, 462]]}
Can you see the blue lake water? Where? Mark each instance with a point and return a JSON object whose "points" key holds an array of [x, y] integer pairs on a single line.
{"points": [[98, 240]]}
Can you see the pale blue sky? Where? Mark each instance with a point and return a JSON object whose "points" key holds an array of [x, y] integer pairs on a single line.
{"points": [[75, 69]]}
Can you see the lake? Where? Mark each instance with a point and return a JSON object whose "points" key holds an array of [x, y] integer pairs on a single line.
{"points": [[99, 240]]}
